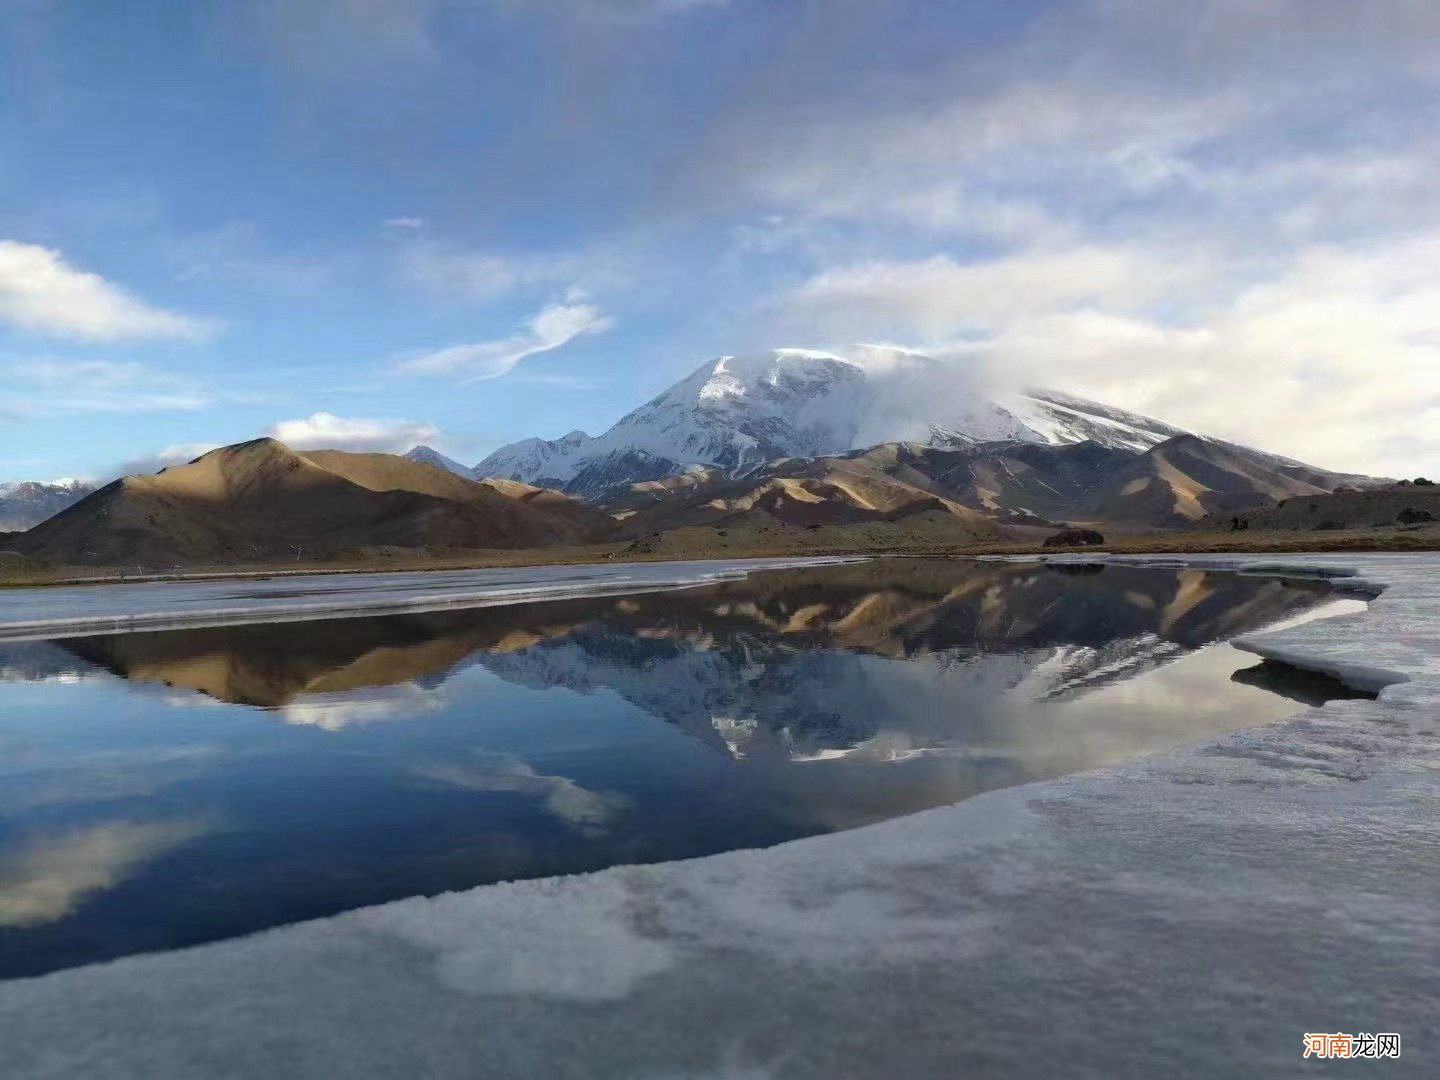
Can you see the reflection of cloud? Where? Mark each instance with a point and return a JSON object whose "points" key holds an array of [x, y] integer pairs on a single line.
{"points": [[579, 807], [50, 879], [332, 712]]}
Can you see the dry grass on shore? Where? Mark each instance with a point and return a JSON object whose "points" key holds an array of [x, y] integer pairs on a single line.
{"points": [[707, 543]]}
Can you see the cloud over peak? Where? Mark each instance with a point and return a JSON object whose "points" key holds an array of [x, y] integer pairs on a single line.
{"points": [[326, 431]]}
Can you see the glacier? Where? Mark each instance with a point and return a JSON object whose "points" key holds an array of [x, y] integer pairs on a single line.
{"points": [[1190, 914]]}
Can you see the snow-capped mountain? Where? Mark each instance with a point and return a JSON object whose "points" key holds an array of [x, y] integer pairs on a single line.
{"points": [[539, 460], [26, 504], [738, 411]]}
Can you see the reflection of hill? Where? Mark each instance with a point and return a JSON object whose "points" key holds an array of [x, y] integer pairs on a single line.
{"points": [[802, 661]]}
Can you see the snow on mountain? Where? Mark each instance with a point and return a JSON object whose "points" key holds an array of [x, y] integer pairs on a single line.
{"points": [[542, 462], [738, 411], [1063, 418], [29, 502], [427, 456]]}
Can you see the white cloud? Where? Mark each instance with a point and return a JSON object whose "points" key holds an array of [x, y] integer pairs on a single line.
{"points": [[1323, 357], [172, 455], [40, 292], [936, 297], [319, 431], [409, 223], [548, 329], [326, 431]]}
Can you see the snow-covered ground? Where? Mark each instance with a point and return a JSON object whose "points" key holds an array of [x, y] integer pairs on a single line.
{"points": [[31, 614], [1193, 913]]}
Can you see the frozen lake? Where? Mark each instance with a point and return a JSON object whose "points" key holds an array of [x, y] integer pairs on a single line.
{"points": [[163, 788], [28, 613]]}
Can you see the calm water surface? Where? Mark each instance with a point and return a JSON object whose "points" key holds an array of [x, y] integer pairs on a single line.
{"points": [[161, 789]]}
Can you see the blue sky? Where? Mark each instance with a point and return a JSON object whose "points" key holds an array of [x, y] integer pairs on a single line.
{"points": [[368, 223]]}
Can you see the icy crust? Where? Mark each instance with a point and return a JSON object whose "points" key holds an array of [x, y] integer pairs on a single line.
{"points": [[36, 614], [1189, 914], [1369, 651]]}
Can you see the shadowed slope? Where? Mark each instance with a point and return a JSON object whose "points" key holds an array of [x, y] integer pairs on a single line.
{"points": [[261, 500], [1186, 478]]}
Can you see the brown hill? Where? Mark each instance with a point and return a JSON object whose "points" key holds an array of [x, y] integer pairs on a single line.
{"points": [[260, 500], [1006, 484], [796, 493], [1381, 507], [555, 503], [1016, 483], [1185, 479]]}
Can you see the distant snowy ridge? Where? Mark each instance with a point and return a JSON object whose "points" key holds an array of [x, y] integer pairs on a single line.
{"points": [[25, 504], [424, 455], [744, 410]]}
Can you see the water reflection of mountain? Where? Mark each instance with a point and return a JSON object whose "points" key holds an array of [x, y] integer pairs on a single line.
{"points": [[806, 663]]}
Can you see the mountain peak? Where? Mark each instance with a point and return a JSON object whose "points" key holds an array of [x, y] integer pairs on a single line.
{"points": [[26, 503], [426, 455], [738, 411]]}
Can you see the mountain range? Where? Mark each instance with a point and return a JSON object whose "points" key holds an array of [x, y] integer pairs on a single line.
{"points": [[789, 450], [30, 502], [812, 438]]}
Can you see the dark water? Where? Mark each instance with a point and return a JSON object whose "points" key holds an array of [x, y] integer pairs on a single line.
{"points": [[161, 789]]}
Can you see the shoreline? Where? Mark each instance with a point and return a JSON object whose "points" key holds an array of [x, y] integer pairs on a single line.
{"points": [[1259, 543], [180, 604]]}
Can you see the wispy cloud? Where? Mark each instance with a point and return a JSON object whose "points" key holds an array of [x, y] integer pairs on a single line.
{"points": [[42, 293], [465, 274], [548, 329], [61, 385], [235, 254]]}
